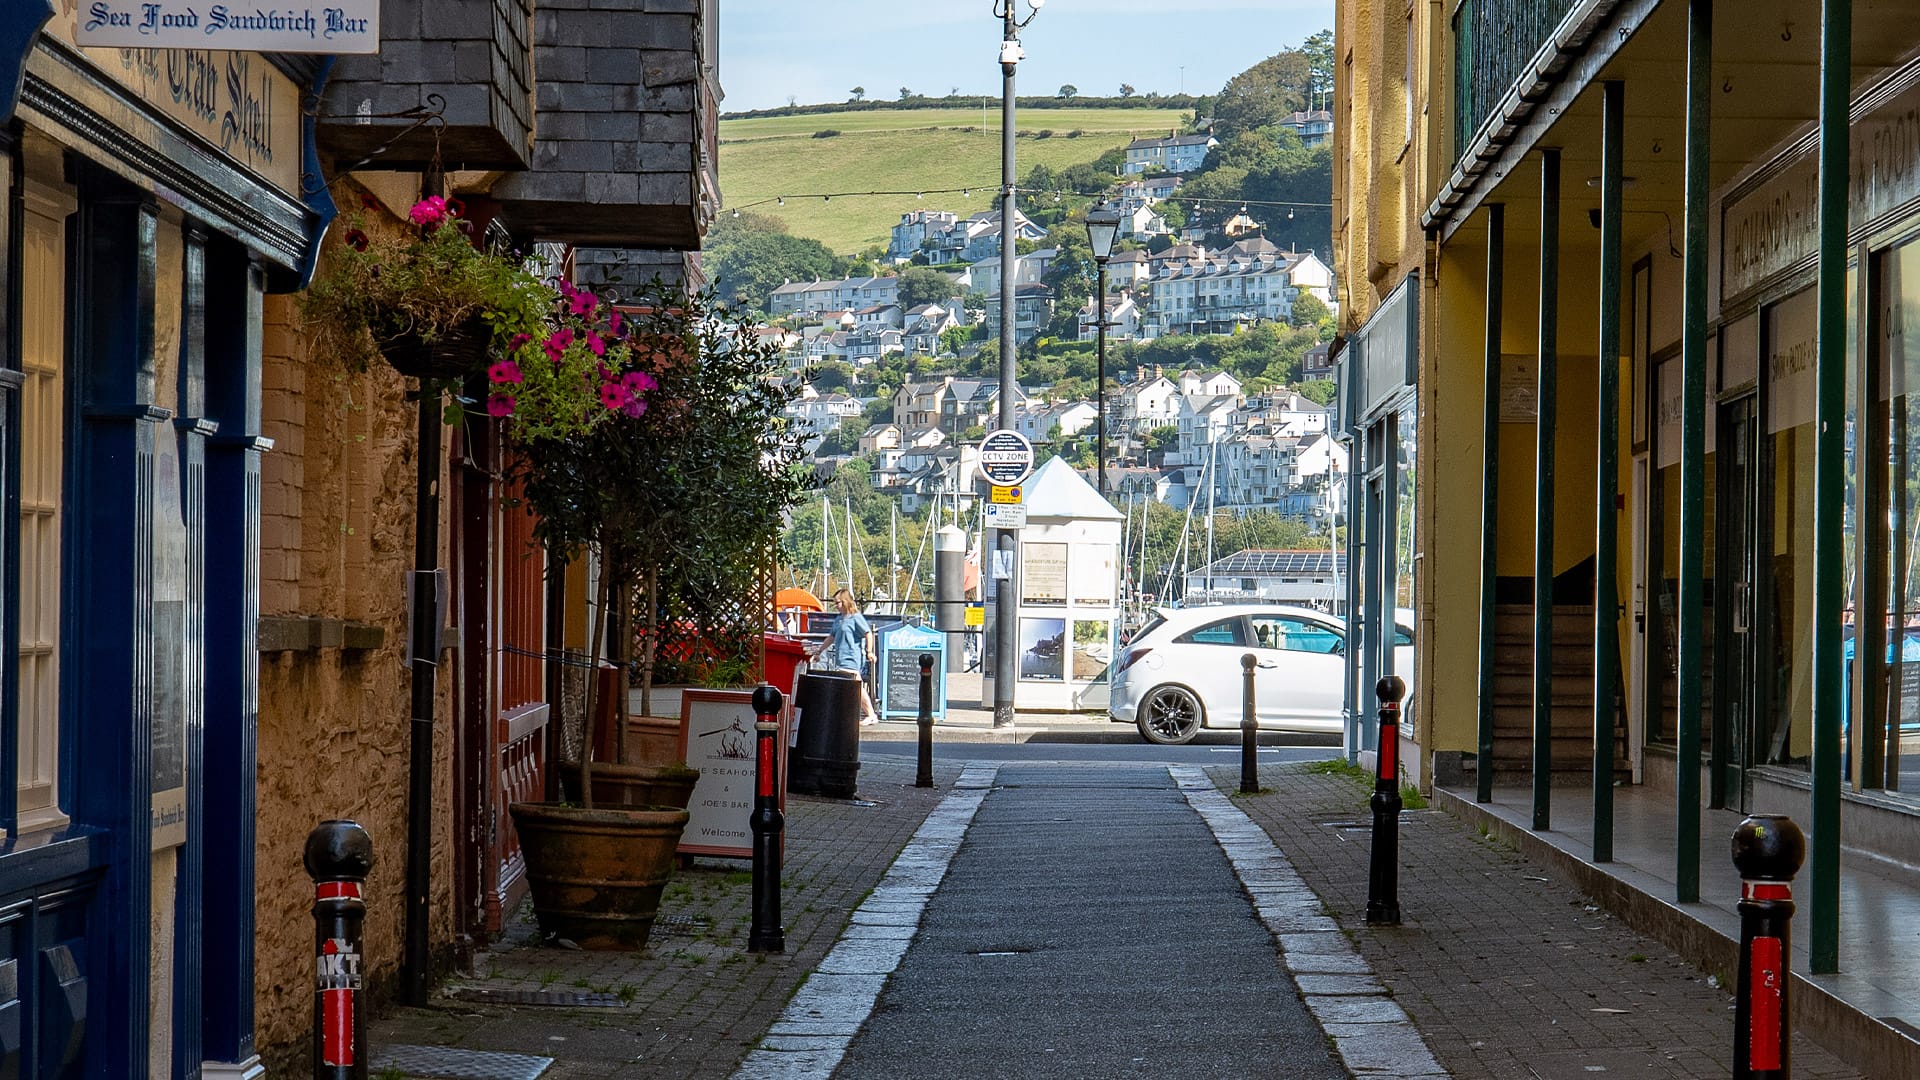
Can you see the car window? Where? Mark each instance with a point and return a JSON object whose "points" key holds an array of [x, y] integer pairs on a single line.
{"points": [[1296, 635], [1223, 632], [1402, 636]]}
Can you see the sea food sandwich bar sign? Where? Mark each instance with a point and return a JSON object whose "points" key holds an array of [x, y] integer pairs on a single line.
{"points": [[343, 26]]}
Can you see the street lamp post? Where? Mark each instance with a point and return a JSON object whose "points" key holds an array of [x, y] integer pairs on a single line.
{"points": [[1103, 224], [1006, 607]]}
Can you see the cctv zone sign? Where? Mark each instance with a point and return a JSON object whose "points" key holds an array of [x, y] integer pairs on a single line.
{"points": [[1006, 457]]}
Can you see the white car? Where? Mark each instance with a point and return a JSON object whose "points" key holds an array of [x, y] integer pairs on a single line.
{"points": [[1182, 671]]}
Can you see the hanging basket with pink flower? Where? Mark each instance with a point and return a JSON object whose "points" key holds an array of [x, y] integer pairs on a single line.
{"points": [[423, 297]]}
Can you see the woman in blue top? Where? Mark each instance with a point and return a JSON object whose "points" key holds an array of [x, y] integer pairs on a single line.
{"points": [[849, 647]]}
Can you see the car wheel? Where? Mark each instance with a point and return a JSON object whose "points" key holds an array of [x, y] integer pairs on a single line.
{"points": [[1170, 716]]}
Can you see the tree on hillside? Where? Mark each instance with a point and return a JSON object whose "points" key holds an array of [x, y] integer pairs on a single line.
{"points": [[751, 255], [859, 93], [1068, 90], [1319, 53], [905, 93], [1264, 94], [1126, 90], [1319, 391], [1310, 312], [924, 285], [792, 100]]}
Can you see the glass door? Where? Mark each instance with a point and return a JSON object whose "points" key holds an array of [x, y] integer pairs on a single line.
{"points": [[1736, 677]]}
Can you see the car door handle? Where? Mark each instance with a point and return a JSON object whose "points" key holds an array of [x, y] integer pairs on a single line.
{"points": [[1268, 663]]}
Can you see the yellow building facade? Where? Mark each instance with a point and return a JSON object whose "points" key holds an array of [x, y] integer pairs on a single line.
{"points": [[1626, 388]]}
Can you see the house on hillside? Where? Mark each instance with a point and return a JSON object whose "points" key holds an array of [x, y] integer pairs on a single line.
{"points": [[1215, 383], [845, 294], [1032, 310], [1123, 319], [1314, 127], [925, 324], [1126, 270], [1174, 154], [880, 437], [919, 230]]}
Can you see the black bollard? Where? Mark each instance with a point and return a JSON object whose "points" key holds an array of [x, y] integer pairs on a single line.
{"points": [[1383, 874], [766, 935], [1767, 850], [338, 856], [923, 775], [1249, 729]]}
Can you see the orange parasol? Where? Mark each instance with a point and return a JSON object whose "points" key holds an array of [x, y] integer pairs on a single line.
{"points": [[797, 598]]}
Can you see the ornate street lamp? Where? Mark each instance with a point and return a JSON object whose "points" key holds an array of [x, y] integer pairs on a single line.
{"points": [[1103, 224]]}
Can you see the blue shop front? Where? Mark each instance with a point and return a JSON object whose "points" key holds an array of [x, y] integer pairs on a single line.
{"points": [[152, 198]]}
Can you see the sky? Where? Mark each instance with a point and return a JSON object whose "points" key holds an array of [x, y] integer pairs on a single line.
{"points": [[817, 50]]}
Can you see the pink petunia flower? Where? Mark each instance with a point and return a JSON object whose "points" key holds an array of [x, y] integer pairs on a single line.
{"points": [[557, 343], [431, 210], [614, 396], [583, 303], [518, 340], [596, 343], [613, 322], [638, 382], [500, 405], [506, 371], [636, 407]]}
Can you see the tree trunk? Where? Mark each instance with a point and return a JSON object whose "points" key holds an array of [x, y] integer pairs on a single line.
{"points": [[651, 650], [593, 682]]}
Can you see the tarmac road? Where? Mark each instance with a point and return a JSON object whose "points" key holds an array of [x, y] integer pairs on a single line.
{"points": [[1089, 926]]}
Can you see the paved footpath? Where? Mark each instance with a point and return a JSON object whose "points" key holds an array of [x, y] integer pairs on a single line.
{"points": [[1506, 968], [1092, 924]]}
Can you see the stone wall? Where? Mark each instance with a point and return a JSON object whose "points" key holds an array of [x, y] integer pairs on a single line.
{"points": [[337, 543]]}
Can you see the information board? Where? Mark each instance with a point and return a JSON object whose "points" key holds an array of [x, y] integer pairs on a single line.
{"points": [[900, 651], [717, 738]]}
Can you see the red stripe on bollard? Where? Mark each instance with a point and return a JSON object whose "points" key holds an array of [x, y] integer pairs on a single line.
{"points": [[337, 890], [1763, 1029], [337, 1027], [766, 769], [1390, 747], [1765, 890]]}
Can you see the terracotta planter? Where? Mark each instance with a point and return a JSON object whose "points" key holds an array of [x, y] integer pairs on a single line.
{"points": [[455, 352], [634, 785], [596, 875]]}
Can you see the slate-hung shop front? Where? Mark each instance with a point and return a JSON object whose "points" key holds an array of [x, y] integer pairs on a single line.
{"points": [[152, 199]]}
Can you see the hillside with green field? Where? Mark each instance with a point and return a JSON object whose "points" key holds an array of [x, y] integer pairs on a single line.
{"points": [[903, 150]]}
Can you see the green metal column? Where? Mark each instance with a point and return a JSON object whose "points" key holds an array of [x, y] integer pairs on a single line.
{"points": [[1490, 492], [1543, 498], [1829, 488], [1693, 451], [1606, 581]]}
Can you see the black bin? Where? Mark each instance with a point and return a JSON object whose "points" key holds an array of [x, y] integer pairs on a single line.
{"points": [[827, 755]]}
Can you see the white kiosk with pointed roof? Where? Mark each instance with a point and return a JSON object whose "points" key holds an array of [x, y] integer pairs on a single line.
{"points": [[1069, 590]]}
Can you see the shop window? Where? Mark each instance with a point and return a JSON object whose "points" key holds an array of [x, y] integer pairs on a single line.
{"points": [[42, 460]]}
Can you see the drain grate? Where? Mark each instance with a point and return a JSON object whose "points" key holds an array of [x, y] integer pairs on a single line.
{"points": [[565, 999], [681, 925], [451, 1063]]}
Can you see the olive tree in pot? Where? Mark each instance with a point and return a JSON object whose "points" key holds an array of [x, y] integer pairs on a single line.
{"points": [[693, 430]]}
